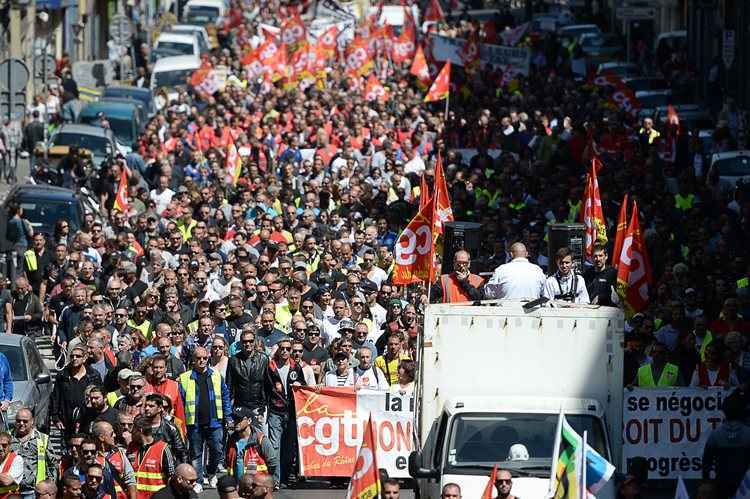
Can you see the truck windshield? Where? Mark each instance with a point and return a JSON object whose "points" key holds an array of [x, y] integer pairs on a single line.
{"points": [[479, 440]]}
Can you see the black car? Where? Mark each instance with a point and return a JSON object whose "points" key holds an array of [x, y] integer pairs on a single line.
{"points": [[43, 205]]}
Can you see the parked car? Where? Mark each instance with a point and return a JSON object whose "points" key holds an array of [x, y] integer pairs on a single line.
{"points": [[650, 100], [621, 69], [172, 73], [599, 48], [574, 31], [124, 119], [731, 167], [32, 383], [204, 12], [143, 95], [43, 205], [203, 37], [99, 141]]}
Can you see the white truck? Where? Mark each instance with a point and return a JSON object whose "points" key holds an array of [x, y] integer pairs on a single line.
{"points": [[497, 375]]}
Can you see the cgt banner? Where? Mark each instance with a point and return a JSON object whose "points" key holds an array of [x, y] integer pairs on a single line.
{"points": [[449, 49], [330, 425], [670, 428]]}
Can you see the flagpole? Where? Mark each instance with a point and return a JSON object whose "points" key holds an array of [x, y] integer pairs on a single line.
{"points": [[447, 104], [584, 488], [555, 454]]}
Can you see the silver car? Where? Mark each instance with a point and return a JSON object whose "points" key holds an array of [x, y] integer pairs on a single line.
{"points": [[32, 382]]}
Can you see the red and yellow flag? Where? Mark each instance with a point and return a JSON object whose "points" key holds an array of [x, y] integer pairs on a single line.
{"points": [[490, 487], [365, 483], [420, 69], [634, 269], [424, 192], [121, 198], [441, 86], [374, 90], [622, 228], [234, 163], [593, 214], [442, 205]]}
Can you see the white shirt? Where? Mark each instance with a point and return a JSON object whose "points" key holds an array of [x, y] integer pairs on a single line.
{"points": [[330, 330], [369, 379], [378, 315], [518, 279], [414, 165], [552, 287], [161, 199]]}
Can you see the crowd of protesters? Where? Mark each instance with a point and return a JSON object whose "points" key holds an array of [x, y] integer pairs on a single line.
{"points": [[184, 320]]}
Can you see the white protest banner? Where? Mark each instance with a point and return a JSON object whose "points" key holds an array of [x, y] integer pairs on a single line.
{"points": [[669, 427], [449, 49], [330, 423]]}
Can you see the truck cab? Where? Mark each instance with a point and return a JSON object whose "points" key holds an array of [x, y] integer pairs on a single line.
{"points": [[493, 380]]}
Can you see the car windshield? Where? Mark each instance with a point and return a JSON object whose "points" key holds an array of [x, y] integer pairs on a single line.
{"points": [[16, 360], [97, 145], [43, 214], [172, 78], [202, 14], [485, 439], [654, 100], [178, 47], [739, 166]]}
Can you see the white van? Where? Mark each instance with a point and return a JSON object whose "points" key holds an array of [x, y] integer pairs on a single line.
{"points": [[170, 44], [173, 72], [203, 37], [204, 12]]}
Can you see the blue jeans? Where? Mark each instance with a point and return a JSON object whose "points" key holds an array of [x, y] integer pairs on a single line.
{"points": [[280, 436], [211, 437]]}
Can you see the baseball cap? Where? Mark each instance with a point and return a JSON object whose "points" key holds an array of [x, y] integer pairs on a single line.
{"points": [[346, 324], [368, 285], [125, 374]]}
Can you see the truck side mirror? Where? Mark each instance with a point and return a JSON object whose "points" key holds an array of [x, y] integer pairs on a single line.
{"points": [[416, 470]]}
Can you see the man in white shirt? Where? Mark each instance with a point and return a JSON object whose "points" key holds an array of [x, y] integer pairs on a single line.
{"points": [[162, 195], [330, 329], [518, 279], [366, 374], [566, 284]]}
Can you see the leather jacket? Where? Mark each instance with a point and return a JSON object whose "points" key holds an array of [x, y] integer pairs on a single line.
{"points": [[171, 435], [247, 379]]}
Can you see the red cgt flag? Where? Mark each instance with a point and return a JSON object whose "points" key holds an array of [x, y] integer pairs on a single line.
{"points": [[121, 198], [374, 90], [424, 192], [434, 11], [490, 487], [414, 248], [420, 69], [365, 483], [593, 214], [443, 210], [441, 86], [634, 270], [622, 228]]}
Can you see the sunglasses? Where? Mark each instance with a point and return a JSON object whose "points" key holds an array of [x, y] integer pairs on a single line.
{"points": [[285, 349], [201, 358], [87, 452], [298, 351], [76, 356]]}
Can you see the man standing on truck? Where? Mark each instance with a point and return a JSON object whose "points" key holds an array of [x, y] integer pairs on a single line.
{"points": [[518, 279], [460, 285], [565, 284], [601, 279]]}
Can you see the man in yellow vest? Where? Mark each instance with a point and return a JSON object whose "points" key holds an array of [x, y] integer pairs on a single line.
{"points": [[35, 261], [39, 460], [207, 409], [647, 134], [659, 373]]}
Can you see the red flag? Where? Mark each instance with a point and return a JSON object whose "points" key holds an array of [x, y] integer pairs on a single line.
{"points": [[293, 31], [365, 483], [490, 487], [441, 86], [470, 52], [424, 192], [374, 90], [328, 40], [622, 227], [593, 214], [434, 12], [420, 69], [634, 270], [443, 210], [672, 117], [414, 249], [234, 163], [121, 198], [358, 60], [406, 43]]}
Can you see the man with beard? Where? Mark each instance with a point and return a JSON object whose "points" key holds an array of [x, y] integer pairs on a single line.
{"points": [[153, 410], [98, 410], [69, 397], [181, 485], [246, 376], [601, 279], [237, 318]]}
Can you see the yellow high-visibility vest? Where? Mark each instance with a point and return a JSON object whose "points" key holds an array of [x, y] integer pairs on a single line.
{"points": [[668, 376], [189, 387], [683, 202], [30, 258]]}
